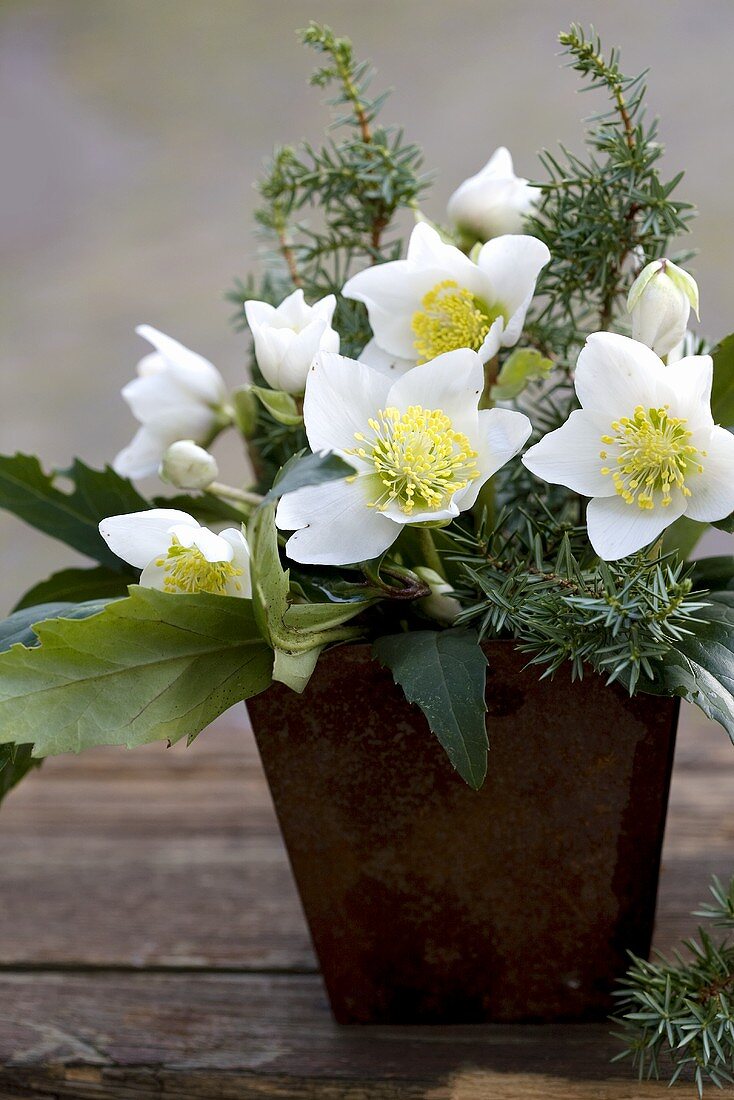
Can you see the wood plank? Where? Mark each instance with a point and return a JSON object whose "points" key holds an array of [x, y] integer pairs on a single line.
{"points": [[173, 857], [193, 1036]]}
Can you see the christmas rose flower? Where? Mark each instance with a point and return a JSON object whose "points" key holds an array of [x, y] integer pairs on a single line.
{"points": [[438, 300], [177, 395], [177, 554], [288, 337], [643, 446], [659, 302], [493, 202], [420, 446]]}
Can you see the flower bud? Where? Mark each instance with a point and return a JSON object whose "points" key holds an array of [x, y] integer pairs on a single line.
{"points": [[188, 466], [659, 302], [493, 202], [439, 605], [288, 338]]}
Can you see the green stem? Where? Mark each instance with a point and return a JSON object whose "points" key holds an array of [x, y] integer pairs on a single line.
{"points": [[228, 492], [428, 551]]}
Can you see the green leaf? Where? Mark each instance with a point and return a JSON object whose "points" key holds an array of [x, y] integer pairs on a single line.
{"points": [[78, 585], [280, 405], [523, 366], [700, 667], [725, 524], [722, 393], [15, 762], [308, 469], [296, 632], [444, 672], [30, 494], [150, 666], [19, 628], [714, 573], [206, 507]]}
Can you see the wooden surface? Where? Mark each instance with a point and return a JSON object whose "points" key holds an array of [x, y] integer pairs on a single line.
{"points": [[152, 944]]}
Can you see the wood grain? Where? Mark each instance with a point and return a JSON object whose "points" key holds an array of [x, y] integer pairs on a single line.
{"points": [[152, 943]]}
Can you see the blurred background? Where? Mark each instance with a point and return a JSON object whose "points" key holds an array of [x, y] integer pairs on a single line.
{"points": [[132, 130]]}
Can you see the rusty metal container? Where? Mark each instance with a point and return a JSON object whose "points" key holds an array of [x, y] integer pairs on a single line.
{"points": [[432, 903]]}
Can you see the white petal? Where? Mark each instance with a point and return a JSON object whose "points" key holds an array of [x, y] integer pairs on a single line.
{"points": [[142, 456], [154, 575], [192, 370], [502, 433], [336, 526], [372, 355], [617, 529], [341, 396], [452, 382], [213, 547], [512, 263], [392, 293], [258, 313], [713, 491], [160, 394], [570, 456], [242, 585], [615, 374], [138, 537], [493, 340], [689, 381]]}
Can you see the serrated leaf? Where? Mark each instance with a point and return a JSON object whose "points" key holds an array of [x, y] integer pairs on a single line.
{"points": [[308, 469], [73, 517], [153, 665], [722, 392], [279, 404], [444, 673], [296, 632], [78, 585], [700, 668], [18, 628]]}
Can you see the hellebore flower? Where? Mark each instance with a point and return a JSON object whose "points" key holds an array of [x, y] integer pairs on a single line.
{"points": [[438, 300], [493, 202], [177, 395], [177, 554], [420, 446], [643, 446]]}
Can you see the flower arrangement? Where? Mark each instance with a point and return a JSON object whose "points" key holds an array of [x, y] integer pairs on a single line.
{"points": [[500, 426]]}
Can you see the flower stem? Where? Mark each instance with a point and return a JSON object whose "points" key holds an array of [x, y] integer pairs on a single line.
{"points": [[229, 492], [428, 551]]}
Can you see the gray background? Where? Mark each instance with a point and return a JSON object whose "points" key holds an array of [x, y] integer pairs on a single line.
{"points": [[131, 132]]}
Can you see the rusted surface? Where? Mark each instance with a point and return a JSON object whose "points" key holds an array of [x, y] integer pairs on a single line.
{"points": [[428, 902]]}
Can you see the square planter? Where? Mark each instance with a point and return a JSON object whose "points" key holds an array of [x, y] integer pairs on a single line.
{"points": [[432, 903]]}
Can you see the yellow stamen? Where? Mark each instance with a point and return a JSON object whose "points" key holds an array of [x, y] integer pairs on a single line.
{"points": [[452, 317], [421, 461], [187, 570], [654, 456]]}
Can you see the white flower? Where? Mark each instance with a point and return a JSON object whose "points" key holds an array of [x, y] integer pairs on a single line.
{"points": [[493, 202], [643, 445], [438, 300], [176, 554], [660, 301], [421, 449], [288, 338], [177, 395], [188, 466]]}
